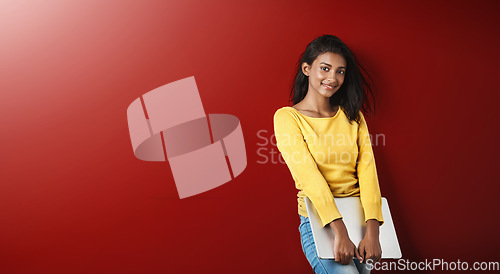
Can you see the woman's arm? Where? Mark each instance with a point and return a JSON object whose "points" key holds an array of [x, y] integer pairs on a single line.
{"points": [[369, 247], [295, 152], [367, 175]]}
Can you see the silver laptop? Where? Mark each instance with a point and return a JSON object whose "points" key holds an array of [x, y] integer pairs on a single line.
{"points": [[353, 217]]}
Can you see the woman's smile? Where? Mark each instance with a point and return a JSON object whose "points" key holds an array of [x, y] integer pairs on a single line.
{"points": [[329, 86]]}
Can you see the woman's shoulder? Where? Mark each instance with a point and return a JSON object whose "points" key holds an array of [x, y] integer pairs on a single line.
{"points": [[292, 109], [285, 113], [285, 109]]}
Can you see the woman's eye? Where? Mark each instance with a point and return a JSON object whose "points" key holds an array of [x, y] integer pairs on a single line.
{"points": [[325, 69], [341, 72]]}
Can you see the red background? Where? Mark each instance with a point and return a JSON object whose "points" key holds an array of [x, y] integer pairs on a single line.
{"points": [[74, 199]]}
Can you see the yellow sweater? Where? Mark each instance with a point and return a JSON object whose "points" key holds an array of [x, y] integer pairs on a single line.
{"points": [[328, 157]]}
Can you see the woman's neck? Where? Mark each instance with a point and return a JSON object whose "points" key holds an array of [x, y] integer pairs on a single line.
{"points": [[318, 103]]}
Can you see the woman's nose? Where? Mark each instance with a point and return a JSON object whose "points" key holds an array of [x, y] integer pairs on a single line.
{"points": [[331, 77]]}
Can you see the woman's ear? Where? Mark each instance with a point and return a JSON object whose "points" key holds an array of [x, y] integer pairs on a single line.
{"points": [[305, 68]]}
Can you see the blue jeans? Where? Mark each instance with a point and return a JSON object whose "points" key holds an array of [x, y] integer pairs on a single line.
{"points": [[325, 266]]}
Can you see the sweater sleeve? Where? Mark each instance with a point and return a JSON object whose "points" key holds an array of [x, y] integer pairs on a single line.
{"points": [[367, 175], [295, 152]]}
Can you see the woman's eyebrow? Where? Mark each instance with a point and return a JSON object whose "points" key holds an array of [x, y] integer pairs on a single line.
{"points": [[330, 65]]}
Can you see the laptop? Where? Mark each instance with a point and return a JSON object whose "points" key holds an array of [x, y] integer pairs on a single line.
{"points": [[354, 220]]}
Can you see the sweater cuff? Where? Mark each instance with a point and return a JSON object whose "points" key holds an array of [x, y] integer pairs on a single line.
{"points": [[328, 215], [374, 211]]}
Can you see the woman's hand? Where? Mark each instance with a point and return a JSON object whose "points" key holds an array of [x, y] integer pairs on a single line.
{"points": [[343, 248], [369, 247]]}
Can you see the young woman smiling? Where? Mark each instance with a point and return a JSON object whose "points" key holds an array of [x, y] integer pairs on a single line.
{"points": [[329, 97]]}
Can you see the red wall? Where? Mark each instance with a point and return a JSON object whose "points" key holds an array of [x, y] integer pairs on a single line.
{"points": [[74, 199]]}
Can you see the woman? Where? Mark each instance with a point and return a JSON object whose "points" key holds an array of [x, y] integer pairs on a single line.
{"points": [[325, 143]]}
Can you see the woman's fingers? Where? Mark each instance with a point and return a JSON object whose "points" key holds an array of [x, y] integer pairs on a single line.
{"points": [[347, 256], [357, 254], [343, 258], [336, 256], [370, 256], [344, 250], [362, 252]]}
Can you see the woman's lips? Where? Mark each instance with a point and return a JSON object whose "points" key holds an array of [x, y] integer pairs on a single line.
{"points": [[328, 87]]}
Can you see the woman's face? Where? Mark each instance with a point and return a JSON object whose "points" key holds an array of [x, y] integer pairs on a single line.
{"points": [[326, 73]]}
